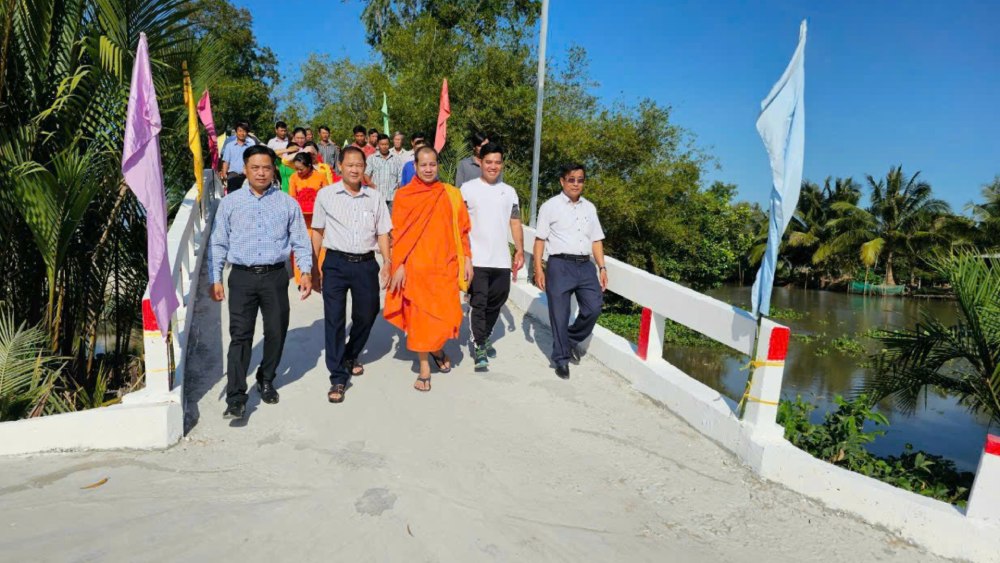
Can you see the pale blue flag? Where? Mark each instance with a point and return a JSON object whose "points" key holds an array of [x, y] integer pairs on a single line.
{"points": [[782, 125]]}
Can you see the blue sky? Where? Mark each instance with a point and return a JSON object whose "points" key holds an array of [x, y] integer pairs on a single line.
{"points": [[915, 83]]}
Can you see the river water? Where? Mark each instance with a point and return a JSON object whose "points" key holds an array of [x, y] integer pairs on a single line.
{"points": [[818, 372]]}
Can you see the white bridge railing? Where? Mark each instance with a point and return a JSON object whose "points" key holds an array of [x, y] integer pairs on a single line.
{"points": [[756, 438], [187, 241]]}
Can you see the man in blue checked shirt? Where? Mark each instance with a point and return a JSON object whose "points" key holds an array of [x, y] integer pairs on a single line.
{"points": [[255, 230]]}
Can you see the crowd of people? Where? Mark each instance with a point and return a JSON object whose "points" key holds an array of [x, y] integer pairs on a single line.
{"points": [[330, 209]]}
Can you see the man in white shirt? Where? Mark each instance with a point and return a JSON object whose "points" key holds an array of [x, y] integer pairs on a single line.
{"points": [[494, 211], [569, 231], [280, 139], [351, 222]]}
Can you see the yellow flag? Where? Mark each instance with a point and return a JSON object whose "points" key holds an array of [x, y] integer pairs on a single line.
{"points": [[194, 137]]}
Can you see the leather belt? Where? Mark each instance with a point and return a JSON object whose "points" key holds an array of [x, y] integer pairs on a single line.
{"points": [[572, 257], [355, 257], [262, 269]]}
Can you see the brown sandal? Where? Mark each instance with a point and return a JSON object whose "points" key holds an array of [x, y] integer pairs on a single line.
{"points": [[353, 365], [338, 389], [426, 380], [441, 361]]}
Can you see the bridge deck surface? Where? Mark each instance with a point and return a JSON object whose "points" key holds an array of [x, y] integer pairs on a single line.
{"points": [[515, 465]]}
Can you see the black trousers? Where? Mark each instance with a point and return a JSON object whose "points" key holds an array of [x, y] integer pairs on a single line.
{"points": [[361, 279], [234, 182], [487, 294], [248, 293], [563, 279]]}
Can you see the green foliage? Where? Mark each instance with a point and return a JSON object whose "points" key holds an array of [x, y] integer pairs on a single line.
{"points": [[243, 88], [962, 359], [73, 235], [643, 173], [841, 439], [28, 371], [787, 314]]}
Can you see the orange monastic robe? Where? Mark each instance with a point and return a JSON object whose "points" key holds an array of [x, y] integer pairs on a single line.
{"points": [[428, 308]]}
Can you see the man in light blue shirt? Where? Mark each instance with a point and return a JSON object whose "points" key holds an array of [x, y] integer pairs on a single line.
{"points": [[232, 158], [255, 230]]}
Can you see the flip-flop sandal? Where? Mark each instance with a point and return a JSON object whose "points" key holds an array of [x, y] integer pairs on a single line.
{"points": [[440, 361], [338, 389], [352, 364], [426, 380]]}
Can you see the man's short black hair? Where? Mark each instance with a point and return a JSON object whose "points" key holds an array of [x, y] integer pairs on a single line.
{"points": [[383, 136], [324, 128], [352, 148], [243, 125], [281, 125], [373, 130], [490, 148], [360, 129], [417, 135], [259, 149], [567, 168], [477, 138]]}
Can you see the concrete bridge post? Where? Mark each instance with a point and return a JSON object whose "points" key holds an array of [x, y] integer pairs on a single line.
{"points": [[984, 498], [765, 380]]}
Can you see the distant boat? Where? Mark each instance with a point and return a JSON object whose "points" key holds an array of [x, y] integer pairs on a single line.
{"points": [[872, 289]]}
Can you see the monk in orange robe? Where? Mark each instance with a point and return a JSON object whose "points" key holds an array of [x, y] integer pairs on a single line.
{"points": [[430, 238]]}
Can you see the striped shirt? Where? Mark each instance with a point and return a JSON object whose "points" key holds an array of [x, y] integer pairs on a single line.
{"points": [[350, 223], [258, 231], [384, 172]]}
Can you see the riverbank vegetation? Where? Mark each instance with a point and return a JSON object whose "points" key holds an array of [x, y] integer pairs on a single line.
{"points": [[72, 233], [843, 437]]}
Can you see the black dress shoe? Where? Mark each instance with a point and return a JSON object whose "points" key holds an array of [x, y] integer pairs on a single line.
{"points": [[562, 372], [575, 355], [235, 411], [268, 393]]}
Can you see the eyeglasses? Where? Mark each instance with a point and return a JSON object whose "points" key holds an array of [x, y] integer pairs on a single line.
{"points": [[574, 181]]}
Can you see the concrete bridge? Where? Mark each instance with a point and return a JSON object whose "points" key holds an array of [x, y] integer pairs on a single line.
{"points": [[630, 460]]}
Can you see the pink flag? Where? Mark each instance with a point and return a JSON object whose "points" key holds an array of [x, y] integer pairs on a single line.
{"points": [[144, 175], [205, 115], [444, 112]]}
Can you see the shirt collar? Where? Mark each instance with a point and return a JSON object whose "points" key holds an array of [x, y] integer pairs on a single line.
{"points": [[246, 188], [339, 187], [566, 198]]}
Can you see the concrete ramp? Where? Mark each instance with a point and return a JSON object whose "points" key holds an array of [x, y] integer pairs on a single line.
{"points": [[513, 465]]}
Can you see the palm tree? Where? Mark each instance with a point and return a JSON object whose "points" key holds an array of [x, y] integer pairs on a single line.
{"points": [[901, 211], [72, 233], [963, 359], [988, 214]]}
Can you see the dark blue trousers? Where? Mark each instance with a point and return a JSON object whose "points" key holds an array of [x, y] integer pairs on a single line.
{"points": [[563, 279], [361, 279]]}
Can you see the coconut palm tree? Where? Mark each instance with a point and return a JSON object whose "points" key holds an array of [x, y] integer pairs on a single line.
{"points": [[901, 210], [963, 358], [988, 214]]}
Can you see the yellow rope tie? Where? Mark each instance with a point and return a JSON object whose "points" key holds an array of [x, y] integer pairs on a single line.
{"points": [[748, 397], [772, 364], [157, 370]]}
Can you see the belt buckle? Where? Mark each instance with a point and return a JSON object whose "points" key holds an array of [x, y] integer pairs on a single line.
{"points": [[259, 269]]}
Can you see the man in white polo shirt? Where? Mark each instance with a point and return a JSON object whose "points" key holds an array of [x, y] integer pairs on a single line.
{"points": [[570, 232], [494, 212]]}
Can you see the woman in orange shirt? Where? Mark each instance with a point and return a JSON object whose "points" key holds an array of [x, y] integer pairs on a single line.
{"points": [[303, 186]]}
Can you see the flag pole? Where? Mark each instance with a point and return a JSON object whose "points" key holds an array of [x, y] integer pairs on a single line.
{"points": [[537, 153]]}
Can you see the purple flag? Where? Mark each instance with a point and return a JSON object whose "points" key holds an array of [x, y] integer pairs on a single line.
{"points": [[144, 175]]}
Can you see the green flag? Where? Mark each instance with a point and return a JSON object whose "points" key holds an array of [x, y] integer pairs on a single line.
{"points": [[385, 114]]}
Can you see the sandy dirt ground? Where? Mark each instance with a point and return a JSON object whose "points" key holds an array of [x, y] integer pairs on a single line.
{"points": [[513, 465]]}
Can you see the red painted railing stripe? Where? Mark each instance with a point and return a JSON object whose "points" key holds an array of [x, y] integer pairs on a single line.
{"points": [[777, 347], [643, 344], [148, 317], [992, 444]]}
